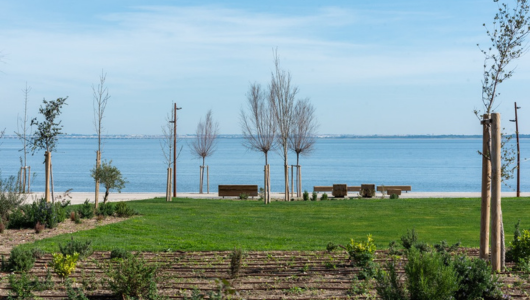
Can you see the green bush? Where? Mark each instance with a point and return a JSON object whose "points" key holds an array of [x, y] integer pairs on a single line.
{"points": [[306, 196], [10, 198], [86, 210], [314, 196], [28, 215], [409, 240], [520, 246], [361, 253], [133, 277], [124, 211], [105, 209], [324, 197], [428, 277], [74, 293], [20, 260], [235, 263], [388, 283], [243, 196], [475, 279], [22, 286], [394, 196], [74, 246], [120, 253], [64, 265]]}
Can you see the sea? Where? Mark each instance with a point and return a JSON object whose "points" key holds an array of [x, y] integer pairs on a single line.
{"points": [[427, 164]]}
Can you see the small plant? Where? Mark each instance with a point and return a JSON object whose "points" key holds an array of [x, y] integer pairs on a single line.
{"points": [[475, 279], [358, 287], [22, 286], [72, 215], [520, 246], [120, 254], [314, 196], [21, 260], [77, 218], [86, 210], [394, 196], [331, 247], [392, 248], [124, 211], [37, 253], [361, 253], [74, 293], [64, 265], [235, 263], [243, 196], [306, 196], [73, 246], [388, 284], [409, 240], [105, 209], [2, 226], [324, 197], [39, 227], [133, 277]]}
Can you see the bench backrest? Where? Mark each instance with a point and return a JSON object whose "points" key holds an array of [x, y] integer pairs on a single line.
{"points": [[236, 190]]}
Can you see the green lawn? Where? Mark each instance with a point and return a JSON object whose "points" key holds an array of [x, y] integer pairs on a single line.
{"points": [[192, 224]]}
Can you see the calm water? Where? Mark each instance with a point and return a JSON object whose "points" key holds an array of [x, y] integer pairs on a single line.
{"points": [[430, 165]]}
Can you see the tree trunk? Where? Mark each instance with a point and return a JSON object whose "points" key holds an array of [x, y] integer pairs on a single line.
{"points": [[47, 160], [486, 188], [106, 196], [98, 164], [298, 179], [286, 172]]}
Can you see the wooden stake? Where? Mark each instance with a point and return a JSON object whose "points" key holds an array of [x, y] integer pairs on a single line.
{"points": [[98, 164], [29, 179], [47, 157], [208, 179], [300, 181], [292, 184], [496, 192], [168, 185], [486, 189]]}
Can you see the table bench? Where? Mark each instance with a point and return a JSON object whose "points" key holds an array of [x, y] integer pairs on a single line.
{"points": [[237, 189], [394, 189]]}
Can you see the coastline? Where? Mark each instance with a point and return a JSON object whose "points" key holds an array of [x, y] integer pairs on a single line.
{"points": [[80, 197]]}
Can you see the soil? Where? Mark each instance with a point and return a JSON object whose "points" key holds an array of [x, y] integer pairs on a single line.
{"points": [[262, 275]]}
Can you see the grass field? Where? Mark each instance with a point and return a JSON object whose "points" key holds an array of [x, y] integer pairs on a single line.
{"points": [[191, 224]]}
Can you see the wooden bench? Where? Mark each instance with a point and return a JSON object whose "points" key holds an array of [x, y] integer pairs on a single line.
{"points": [[236, 190], [330, 189], [388, 188]]}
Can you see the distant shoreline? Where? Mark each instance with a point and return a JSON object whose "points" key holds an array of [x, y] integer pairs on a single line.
{"points": [[238, 136]]}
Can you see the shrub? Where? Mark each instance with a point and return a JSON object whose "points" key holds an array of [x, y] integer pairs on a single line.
{"points": [[2, 227], [74, 293], [428, 277], [124, 211], [235, 263], [20, 260], [64, 265], [10, 198], [105, 209], [394, 196], [388, 283], [331, 247], [409, 240], [37, 253], [475, 279], [243, 196], [133, 277], [72, 215], [73, 246], [324, 197], [39, 227], [306, 196], [86, 210], [22, 286], [361, 253], [27, 216], [520, 246], [314, 196], [120, 253], [77, 218]]}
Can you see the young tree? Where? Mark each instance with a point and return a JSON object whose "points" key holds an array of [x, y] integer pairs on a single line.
{"points": [[166, 144], [110, 177], [99, 103], [46, 136], [302, 138], [205, 141], [510, 28], [23, 136], [258, 127], [282, 97]]}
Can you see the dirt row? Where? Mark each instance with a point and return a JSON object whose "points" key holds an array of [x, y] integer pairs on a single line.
{"points": [[263, 275]]}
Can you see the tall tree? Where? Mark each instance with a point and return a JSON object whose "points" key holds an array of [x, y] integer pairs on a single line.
{"points": [[507, 35], [47, 133], [205, 141], [258, 127], [99, 103], [23, 136], [302, 138], [282, 100]]}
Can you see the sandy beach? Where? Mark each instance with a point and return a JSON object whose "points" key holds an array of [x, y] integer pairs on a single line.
{"points": [[78, 197]]}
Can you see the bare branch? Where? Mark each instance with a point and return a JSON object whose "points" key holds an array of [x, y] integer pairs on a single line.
{"points": [[302, 138], [205, 141], [99, 103]]}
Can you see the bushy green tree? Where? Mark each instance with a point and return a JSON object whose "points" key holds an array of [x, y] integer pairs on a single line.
{"points": [[110, 177]]}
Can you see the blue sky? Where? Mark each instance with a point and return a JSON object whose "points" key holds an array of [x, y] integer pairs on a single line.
{"points": [[370, 67]]}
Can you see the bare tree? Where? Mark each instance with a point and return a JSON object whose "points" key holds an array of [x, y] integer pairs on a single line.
{"points": [[510, 28], [282, 98], [166, 144], [205, 141], [23, 135], [302, 138], [99, 103], [258, 127]]}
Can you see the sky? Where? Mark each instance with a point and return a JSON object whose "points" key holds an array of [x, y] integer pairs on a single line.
{"points": [[369, 67]]}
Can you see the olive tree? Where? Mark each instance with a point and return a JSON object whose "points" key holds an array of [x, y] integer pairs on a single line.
{"points": [[258, 127], [110, 176], [45, 137], [205, 141], [507, 36]]}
